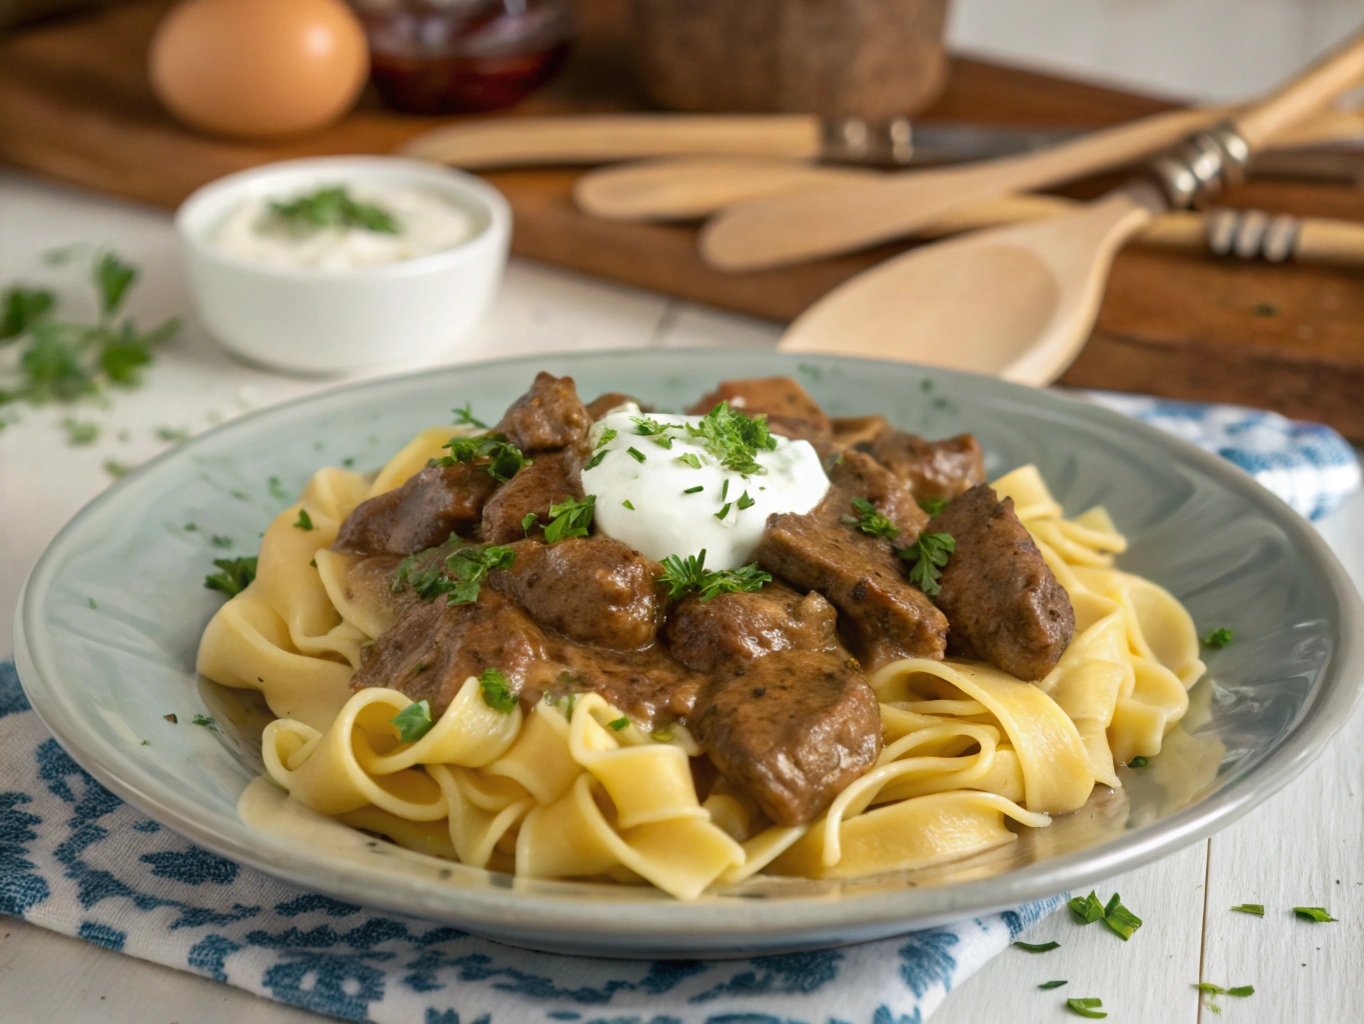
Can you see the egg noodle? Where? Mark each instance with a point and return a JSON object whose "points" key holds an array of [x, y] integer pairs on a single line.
{"points": [[558, 792]]}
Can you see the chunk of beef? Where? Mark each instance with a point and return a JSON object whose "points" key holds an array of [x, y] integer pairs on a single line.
{"points": [[786, 715], [430, 652], [594, 590], [603, 404], [422, 513], [547, 481], [851, 430], [548, 416], [857, 475], [647, 684], [933, 469], [789, 409], [1002, 602], [883, 616]]}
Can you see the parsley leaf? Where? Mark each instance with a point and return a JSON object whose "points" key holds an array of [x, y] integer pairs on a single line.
{"points": [[932, 505], [464, 417], [1120, 921], [207, 721], [618, 724], [733, 438], [1317, 915], [458, 576], [1086, 909], [571, 518], [647, 426], [413, 722], [22, 308], [1219, 638], [927, 556], [1258, 909], [1086, 1007], [304, 521], [1047, 985], [1138, 762], [1037, 947], [234, 575], [496, 693], [689, 459], [681, 576], [870, 520], [331, 207], [595, 461], [528, 522], [502, 458]]}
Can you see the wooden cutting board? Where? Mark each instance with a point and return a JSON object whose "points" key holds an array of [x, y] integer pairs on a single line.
{"points": [[75, 106]]}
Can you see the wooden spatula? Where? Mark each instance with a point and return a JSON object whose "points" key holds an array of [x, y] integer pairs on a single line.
{"points": [[1019, 301], [841, 217]]}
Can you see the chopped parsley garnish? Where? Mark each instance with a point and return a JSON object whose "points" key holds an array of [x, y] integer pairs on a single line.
{"points": [[1317, 915], [608, 434], [744, 502], [464, 417], [724, 510], [1086, 909], [870, 520], [1219, 638], [502, 458], [627, 503], [1037, 947], [207, 721], [277, 490], [1121, 921], [80, 432], [724, 489], [331, 206], [595, 461], [619, 723], [695, 490], [458, 576], [172, 435], [1258, 909], [689, 459], [647, 426], [635, 454], [116, 469], [1240, 991], [570, 518], [733, 438], [685, 575], [91, 602], [528, 522], [496, 693], [926, 558], [1086, 1007], [413, 722], [1048, 985], [304, 521], [1138, 762], [234, 575], [57, 360], [932, 505], [220, 541]]}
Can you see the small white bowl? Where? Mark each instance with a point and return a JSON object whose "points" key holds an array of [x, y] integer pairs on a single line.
{"points": [[321, 320]]}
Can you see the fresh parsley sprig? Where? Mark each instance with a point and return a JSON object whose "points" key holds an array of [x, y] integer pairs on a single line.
{"points": [[458, 576], [233, 576], [926, 557], [331, 206], [464, 417], [682, 576], [733, 438], [500, 457], [870, 519], [571, 518]]}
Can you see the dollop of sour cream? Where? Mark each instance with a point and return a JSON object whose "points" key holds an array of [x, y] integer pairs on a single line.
{"points": [[655, 500], [427, 223]]}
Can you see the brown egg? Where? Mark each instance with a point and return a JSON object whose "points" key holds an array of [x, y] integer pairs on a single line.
{"points": [[258, 68]]}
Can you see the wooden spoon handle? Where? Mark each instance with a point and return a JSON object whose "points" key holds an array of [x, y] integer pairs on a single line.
{"points": [[518, 141], [1291, 103]]}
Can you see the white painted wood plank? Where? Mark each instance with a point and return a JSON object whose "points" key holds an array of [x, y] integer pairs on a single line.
{"points": [[1143, 979]]}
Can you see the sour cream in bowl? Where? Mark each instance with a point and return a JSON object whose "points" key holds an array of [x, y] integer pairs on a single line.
{"points": [[337, 264]]}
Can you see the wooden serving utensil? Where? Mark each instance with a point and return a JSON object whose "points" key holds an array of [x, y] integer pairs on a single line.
{"points": [[1019, 301], [845, 216]]}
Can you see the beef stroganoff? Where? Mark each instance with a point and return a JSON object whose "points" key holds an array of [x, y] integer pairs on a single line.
{"points": [[601, 642]]}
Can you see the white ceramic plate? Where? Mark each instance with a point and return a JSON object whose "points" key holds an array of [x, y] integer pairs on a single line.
{"points": [[102, 677]]}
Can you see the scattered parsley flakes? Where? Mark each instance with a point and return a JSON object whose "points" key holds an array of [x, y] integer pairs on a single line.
{"points": [[499, 456], [528, 522], [496, 692], [219, 541], [870, 520], [458, 576], [694, 490], [1048, 985], [627, 503], [685, 575], [413, 722], [304, 521], [1317, 915], [207, 721], [1138, 762], [595, 461], [116, 469], [744, 502], [608, 434], [331, 206], [1086, 1007], [733, 438], [689, 459], [276, 487], [1086, 909], [927, 556], [1120, 921], [1258, 909], [571, 518], [1038, 947], [635, 454], [1219, 638], [932, 505], [234, 575], [91, 602], [464, 417], [647, 426], [80, 432], [724, 510], [618, 724]]}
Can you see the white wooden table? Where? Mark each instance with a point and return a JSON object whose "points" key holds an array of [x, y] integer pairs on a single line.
{"points": [[1304, 847]]}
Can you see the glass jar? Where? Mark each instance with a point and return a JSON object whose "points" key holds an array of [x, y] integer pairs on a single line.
{"points": [[459, 56]]}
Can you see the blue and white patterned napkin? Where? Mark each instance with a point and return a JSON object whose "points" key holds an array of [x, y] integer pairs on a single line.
{"points": [[75, 859]]}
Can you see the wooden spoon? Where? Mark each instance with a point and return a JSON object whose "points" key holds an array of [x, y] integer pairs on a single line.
{"points": [[1019, 301], [841, 217]]}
